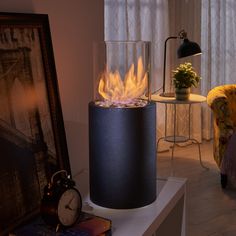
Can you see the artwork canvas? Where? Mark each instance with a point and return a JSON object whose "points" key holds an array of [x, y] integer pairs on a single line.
{"points": [[32, 136]]}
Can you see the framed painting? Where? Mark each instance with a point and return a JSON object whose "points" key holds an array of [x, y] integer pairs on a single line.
{"points": [[32, 136]]}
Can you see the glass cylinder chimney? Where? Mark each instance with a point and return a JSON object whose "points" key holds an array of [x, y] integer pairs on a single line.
{"points": [[122, 73]]}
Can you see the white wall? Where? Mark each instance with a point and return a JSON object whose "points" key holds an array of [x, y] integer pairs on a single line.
{"points": [[74, 25]]}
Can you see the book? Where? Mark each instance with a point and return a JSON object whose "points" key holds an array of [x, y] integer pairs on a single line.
{"points": [[88, 225]]}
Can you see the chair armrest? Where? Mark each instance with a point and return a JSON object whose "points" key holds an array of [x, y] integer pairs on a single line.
{"points": [[218, 102]]}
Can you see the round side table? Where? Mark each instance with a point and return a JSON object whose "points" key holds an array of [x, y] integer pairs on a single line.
{"points": [[193, 99]]}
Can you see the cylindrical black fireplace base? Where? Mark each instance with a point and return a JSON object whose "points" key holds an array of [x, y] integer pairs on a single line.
{"points": [[122, 146]]}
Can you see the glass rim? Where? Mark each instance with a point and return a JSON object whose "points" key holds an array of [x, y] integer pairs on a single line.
{"points": [[124, 42]]}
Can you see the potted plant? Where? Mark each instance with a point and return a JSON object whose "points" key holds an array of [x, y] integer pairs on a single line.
{"points": [[184, 77]]}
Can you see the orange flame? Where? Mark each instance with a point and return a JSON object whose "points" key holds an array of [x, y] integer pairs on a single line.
{"points": [[112, 88]]}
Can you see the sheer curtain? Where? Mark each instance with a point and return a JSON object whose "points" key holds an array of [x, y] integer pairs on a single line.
{"points": [[145, 20], [218, 42], [155, 20]]}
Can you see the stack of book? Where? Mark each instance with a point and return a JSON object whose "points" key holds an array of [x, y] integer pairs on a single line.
{"points": [[88, 225]]}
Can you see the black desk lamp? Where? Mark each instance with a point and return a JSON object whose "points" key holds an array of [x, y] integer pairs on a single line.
{"points": [[187, 48]]}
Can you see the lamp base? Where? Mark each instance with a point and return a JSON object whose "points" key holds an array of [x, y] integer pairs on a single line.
{"points": [[167, 94]]}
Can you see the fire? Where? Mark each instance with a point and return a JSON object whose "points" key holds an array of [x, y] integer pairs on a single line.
{"points": [[115, 90]]}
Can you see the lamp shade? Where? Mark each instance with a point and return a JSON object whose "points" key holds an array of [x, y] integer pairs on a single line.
{"points": [[188, 48]]}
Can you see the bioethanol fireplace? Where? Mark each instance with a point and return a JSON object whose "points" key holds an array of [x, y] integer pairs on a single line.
{"points": [[122, 124]]}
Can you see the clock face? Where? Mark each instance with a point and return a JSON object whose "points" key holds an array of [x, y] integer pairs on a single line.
{"points": [[69, 207]]}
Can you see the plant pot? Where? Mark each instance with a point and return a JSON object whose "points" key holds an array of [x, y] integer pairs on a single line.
{"points": [[182, 93]]}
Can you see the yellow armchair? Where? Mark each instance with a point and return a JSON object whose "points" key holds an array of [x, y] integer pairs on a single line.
{"points": [[222, 101]]}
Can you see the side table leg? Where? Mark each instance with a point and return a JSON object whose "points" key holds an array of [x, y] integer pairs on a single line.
{"points": [[158, 143], [172, 159], [199, 153], [172, 155]]}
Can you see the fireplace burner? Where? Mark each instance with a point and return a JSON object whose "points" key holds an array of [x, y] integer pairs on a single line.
{"points": [[122, 129], [122, 156]]}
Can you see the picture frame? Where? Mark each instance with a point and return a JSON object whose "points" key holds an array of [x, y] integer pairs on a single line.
{"points": [[32, 135]]}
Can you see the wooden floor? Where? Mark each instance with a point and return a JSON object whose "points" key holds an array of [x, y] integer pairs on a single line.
{"points": [[210, 210]]}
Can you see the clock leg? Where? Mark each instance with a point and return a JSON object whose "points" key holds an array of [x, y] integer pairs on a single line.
{"points": [[57, 228]]}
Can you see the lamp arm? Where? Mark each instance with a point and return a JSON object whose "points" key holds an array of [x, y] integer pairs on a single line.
{"points": [[164, 67]]}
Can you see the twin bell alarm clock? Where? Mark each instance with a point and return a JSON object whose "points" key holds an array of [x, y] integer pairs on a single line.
{"points": [[61, 203]]}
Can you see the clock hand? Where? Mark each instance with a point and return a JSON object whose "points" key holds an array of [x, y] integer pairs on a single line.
{"points": [[70, 200], [72, 209], [67, 206]]}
